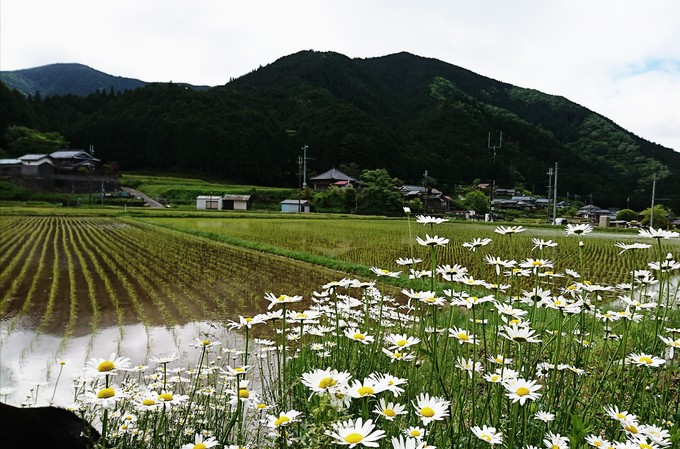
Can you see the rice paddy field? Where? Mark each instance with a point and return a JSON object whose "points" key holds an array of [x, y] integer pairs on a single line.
{"points": [[207, 330]]}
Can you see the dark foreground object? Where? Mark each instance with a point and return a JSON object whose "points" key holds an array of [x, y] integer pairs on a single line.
{"points": [[44, 427]]}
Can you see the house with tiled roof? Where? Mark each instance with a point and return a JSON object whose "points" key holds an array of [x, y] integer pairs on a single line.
{"points": [[332, 177]]}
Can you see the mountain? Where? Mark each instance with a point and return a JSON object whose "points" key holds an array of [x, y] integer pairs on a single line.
{"points": [[401, 112], [67, 79]]}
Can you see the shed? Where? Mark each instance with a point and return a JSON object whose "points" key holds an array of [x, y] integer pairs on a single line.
{"points": [[236, 202], [207, 202], [296, 206]]}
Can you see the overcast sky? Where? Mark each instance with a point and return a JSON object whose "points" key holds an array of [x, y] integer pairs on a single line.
{"points": [[620, 58]]}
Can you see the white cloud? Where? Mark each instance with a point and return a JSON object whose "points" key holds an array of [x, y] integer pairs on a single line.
{"points": [[580, 49]]}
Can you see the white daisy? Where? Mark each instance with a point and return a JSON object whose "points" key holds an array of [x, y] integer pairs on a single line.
{"points": [[430, 409], [521, 390], [488, 434], [351, 433]]}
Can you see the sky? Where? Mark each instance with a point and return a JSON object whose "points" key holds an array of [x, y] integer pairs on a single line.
{"points": [[619, 58]]}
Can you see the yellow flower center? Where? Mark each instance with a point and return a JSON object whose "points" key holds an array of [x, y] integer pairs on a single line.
{"points": [[558, 302], [397, 355], [365, 391], [415, 433], [354, 438], [106, 366], [389, 412], [645, 359], [427, 412], [148, 402], [239, 369], [243, 393], [106, 393], [206, 342], [598, 443], [473, 299], [463, 336], [281, 420], [522, 391], [165, 396], [359, 337], [199, 446], [261, 405], [495, 378], [281, 298], [645, 446], [572, 287], [248, 320], [327, 382], [402, 342], [631, 428], [486, 437], [536, 263], [554, 446], [621, 416], [515, 321]]}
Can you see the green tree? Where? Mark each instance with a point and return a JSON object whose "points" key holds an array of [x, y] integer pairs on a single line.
{"points": [[379, 194], [626, 215], [334, 200], [477, 201], [22, 140], [661, 216]]}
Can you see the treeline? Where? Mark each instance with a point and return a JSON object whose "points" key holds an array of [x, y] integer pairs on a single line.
{"points": [[401, 112]]}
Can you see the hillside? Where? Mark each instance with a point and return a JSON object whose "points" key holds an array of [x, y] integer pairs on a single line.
{"points": [[401, 112], [68, 79]]}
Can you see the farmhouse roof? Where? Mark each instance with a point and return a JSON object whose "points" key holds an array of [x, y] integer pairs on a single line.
{"points": [[10, 161], [334, 175], [33, 157], [73, 154]]}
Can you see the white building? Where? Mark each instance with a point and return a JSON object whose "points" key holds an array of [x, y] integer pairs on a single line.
{"points": [[296, 206], [207, 202]]}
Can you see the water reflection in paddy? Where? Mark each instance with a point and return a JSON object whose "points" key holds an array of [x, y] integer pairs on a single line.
{"points": [[29, 362]]}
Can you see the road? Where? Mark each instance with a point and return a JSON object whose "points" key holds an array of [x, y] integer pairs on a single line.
{"points": [[139, 195]]}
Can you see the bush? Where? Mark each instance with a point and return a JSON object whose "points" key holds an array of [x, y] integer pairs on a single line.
{"points": [[626, 215]]}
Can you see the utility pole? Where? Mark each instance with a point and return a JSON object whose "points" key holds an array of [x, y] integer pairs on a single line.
{"points": [[425, 193], [299, 184], [550, 175], [651, 215], [304, 170], [555, 196], [493, 166]]}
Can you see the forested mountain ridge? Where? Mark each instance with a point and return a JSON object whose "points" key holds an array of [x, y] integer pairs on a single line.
{"points": [[401, 112], [68, 79]]}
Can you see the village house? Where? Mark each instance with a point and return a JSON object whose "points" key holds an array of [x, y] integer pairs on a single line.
{"points": [[431, 198], [332, 177]]}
